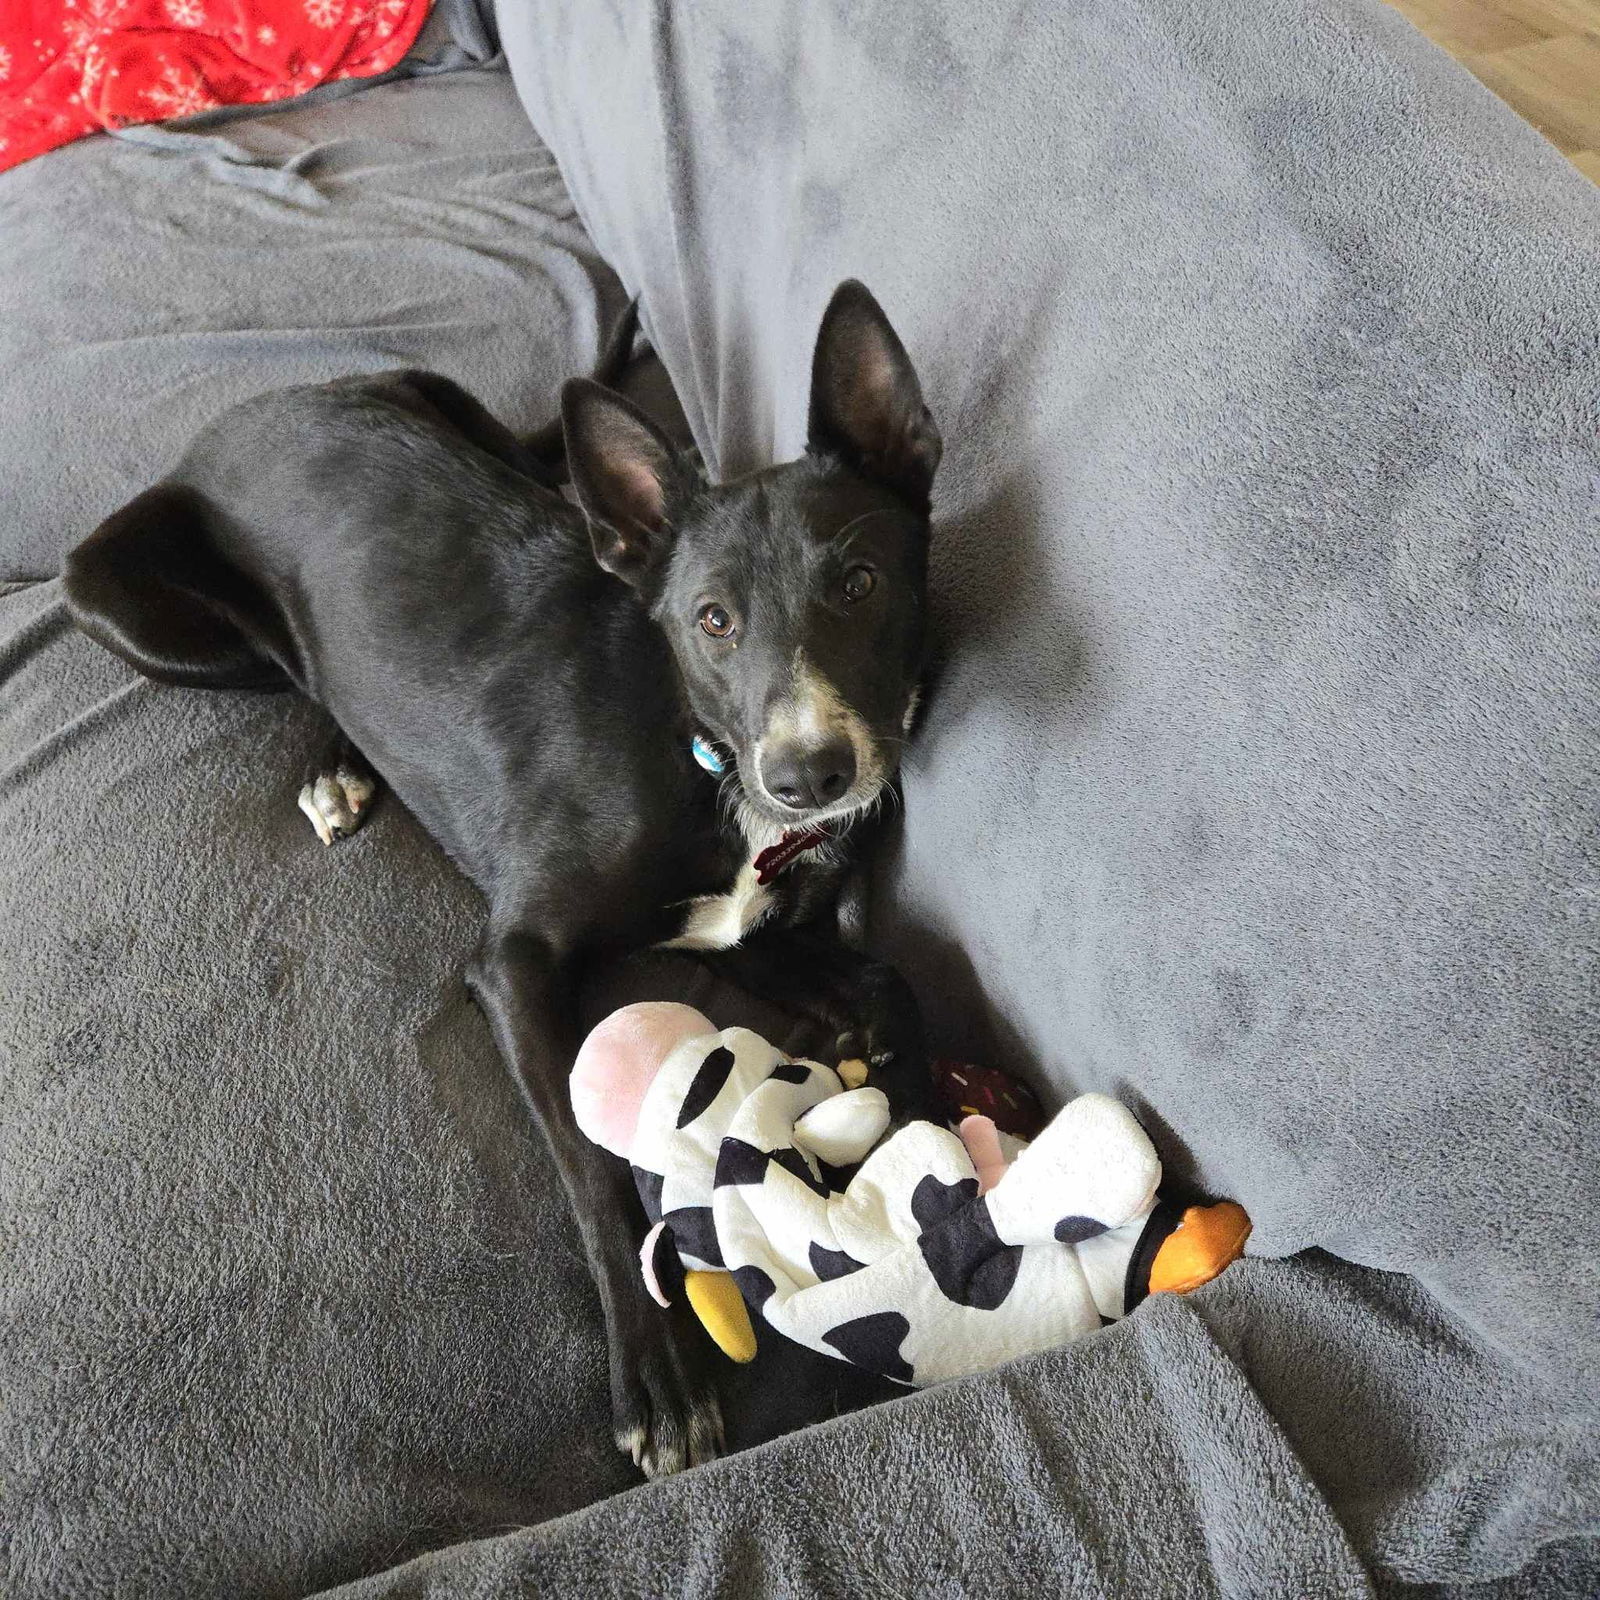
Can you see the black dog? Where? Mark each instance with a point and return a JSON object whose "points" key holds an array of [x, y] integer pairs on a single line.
{"points": [[543, 689]]}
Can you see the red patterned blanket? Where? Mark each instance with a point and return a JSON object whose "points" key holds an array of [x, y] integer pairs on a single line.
{"points": [[71, 67]]}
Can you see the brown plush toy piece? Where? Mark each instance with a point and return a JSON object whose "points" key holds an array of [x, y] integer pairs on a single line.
{"points": [[964, 1090]]}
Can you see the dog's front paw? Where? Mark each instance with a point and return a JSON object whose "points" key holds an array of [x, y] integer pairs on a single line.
{"points": [[338, 801], [888, 1055], [664, 1404]]}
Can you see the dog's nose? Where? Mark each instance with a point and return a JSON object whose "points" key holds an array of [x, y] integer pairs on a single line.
{"points": [[806, 779]]}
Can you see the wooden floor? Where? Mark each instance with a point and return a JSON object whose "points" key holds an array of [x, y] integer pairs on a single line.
{"points": [[1540, 56]]}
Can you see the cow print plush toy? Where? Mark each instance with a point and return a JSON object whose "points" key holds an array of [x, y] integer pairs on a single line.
{"points": [[922, 1256]]}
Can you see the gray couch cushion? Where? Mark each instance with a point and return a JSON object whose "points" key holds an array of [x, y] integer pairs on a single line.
{"points": [[1259, 784], [139, 296]]}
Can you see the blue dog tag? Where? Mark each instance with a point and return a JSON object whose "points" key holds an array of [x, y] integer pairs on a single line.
{"points": [[702, 749]]}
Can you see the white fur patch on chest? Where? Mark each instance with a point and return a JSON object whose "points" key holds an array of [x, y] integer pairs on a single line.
{"points": [[720, 921]]}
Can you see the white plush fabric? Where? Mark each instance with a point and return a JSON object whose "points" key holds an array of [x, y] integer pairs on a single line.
{"points": [[897, 1264]]}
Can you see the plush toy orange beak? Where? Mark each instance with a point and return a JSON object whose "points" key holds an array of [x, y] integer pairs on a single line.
{"points": [[1206, 1241]]}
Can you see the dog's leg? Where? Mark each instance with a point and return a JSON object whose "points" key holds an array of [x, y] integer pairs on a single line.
{"points": [[664, 1406], [852, 907], [338, 793], [857, 1008]]}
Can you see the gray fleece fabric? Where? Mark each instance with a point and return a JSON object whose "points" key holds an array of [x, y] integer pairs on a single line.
{"points": [[140, 296], [1256, 788], [1142, 1462], [289, 1289]]}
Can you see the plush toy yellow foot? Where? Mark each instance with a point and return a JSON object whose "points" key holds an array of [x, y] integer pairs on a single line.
{"points": [[1207, 1240], [716, 1300]]}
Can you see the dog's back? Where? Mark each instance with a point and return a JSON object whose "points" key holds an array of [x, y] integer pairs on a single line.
{"points": [[442, 604]]}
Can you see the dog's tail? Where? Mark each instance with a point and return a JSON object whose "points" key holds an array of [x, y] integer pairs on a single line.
{"points": [[150, 586], [547, 444]]}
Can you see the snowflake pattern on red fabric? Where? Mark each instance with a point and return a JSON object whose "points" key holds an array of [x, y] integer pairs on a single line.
{"points": [[74, 67]]}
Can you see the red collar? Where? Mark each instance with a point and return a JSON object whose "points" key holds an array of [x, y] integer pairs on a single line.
{"points": [[795, 842]]}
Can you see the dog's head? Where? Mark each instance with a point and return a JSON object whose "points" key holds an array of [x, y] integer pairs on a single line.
{"points": [[794, 599]]}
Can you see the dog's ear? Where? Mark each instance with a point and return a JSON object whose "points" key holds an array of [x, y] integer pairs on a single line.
{"points": [[626, 474], [866, 403]]}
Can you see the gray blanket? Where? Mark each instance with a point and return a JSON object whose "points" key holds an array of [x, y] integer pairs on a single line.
{"points": [[139, 296], [1142, 1462], [289, 1292], [1254, 790]]}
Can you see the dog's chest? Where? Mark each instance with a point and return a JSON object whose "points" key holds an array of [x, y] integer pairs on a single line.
{"points": [[719, 921]]}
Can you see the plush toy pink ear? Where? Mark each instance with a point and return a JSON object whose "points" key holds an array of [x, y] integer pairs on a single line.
{"points": [[982, 1139], [618, 1062]]}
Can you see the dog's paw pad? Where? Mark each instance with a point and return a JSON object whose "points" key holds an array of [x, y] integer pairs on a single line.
{"points": [[633, 1442], [336, 803], [667, 1417]]}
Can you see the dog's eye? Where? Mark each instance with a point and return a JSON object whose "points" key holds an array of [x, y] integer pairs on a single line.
{"points": [[859, 582], [715, 621]]}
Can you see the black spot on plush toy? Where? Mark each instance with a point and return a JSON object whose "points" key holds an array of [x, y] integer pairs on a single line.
{"points": [[922, 1256]]}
